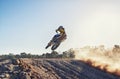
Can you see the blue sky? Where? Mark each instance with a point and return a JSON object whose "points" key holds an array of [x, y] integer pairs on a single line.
{"points": [[28, 25]]}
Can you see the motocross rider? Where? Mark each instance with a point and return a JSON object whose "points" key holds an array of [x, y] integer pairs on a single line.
{"points": [[62, 35]]}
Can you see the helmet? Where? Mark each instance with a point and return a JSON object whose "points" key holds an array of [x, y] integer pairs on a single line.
{"points": [[60, 27]]}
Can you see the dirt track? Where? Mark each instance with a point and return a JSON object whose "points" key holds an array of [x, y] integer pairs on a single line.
{"points": [[70, 69], [60, 69]]}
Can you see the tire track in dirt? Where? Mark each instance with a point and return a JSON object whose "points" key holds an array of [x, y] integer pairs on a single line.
{"points": [[70, 69], [68, 74], [54, 69], [80, 70]]}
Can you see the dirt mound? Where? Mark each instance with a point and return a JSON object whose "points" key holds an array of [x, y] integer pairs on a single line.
{"points": [[50, 69]]}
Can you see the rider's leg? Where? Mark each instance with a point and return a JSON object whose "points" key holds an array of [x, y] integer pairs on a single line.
{"points": [[49, 44], [62, 37]]}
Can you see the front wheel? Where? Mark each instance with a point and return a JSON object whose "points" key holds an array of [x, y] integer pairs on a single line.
{"points": [[55, 46]]}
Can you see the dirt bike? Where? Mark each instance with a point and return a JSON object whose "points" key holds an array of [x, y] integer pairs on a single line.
{"points": [[55, 42]]}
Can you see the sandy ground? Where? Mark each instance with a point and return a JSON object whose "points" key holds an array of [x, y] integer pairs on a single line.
{"points": [[52, 69]]}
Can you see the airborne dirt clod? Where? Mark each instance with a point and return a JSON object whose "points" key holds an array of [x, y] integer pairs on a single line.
{"points": [[51, 69]]}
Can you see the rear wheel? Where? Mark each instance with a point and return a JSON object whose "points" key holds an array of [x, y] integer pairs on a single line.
{"points": [[55, 46]]}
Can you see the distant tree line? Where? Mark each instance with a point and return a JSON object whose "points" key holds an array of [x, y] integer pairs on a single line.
{"points": [[54, 54]]}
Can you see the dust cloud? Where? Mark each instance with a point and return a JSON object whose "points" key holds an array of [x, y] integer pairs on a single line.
{"points": [[107, 59]]}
